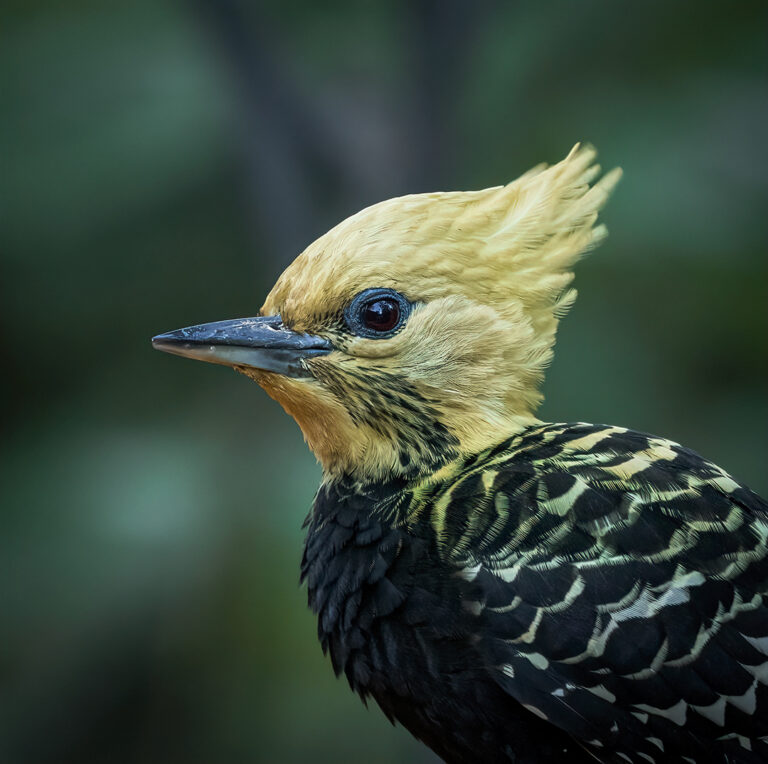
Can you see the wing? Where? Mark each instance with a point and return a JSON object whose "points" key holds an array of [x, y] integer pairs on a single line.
{"points": [[620, 583]]}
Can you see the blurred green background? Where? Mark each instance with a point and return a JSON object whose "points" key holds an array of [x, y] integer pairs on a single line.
{"points": [[161, 163]]}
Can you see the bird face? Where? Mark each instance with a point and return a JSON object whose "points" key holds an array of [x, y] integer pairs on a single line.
{"points": [[418, 329]]}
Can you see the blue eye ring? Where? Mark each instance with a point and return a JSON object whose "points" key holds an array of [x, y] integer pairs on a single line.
{"points": [[377, 313]]}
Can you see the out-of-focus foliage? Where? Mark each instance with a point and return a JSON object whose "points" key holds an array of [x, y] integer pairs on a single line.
{"points": [[161, 162]]}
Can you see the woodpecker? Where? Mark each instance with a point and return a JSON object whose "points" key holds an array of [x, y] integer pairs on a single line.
{"points": [[508, 590]]}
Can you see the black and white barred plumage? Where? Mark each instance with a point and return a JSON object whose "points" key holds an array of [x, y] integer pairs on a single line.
{"points": [[578, 592]]}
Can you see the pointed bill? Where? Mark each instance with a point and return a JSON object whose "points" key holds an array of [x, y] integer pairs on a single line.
{"points": [[262, 342]]}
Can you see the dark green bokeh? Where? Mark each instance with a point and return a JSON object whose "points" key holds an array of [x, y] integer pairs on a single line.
{"points": [[161, 163]]}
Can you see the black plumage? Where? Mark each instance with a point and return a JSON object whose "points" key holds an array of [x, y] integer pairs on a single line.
{"points": [[553, 611]]}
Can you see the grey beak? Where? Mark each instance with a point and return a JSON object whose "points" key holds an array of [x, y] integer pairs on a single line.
{"points": [[261, 343]]}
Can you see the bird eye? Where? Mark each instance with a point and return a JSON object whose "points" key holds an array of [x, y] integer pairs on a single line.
{"points": [[381, 315], [377, 313]]}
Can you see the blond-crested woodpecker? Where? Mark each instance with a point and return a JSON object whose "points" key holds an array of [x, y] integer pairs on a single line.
{"points": [[506, 589]]}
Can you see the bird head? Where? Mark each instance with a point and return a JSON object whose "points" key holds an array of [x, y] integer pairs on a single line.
{"points": [[419, 329]]}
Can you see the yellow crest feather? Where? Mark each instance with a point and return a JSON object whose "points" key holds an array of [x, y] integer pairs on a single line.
{"points": [[489, 273]]}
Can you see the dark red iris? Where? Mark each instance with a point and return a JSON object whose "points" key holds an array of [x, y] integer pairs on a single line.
{"points": [[381, 315]]}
